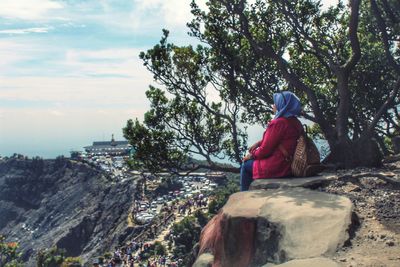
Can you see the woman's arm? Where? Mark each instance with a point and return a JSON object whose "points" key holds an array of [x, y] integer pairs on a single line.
{"points": [[255, 146], [271, 140]]}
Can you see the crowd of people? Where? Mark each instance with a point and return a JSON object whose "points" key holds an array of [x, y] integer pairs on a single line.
{"points": [[136, 252], [131, 255]]}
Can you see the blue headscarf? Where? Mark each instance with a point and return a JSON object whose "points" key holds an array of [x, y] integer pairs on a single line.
{"points": [[287, 104]]}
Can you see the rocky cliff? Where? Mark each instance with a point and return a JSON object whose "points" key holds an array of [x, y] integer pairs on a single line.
{"points": [[65, 203]]}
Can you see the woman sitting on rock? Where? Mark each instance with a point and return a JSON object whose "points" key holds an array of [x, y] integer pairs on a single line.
{"points": [[265, 158]]}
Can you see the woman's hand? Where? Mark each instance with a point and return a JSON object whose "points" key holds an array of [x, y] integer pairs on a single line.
{"points": [[247, 157], [254, 147]]}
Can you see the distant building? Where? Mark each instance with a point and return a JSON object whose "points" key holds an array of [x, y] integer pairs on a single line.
{"points": [[112, 148]]}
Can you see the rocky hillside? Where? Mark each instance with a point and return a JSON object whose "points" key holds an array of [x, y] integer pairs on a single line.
{"points": [[65, 203]]}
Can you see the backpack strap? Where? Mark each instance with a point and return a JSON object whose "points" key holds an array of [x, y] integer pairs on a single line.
{"points": [[285, 152]]}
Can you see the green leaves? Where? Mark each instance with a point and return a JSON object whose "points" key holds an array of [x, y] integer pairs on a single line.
{"points": [[189, 116], [9, 257], [210, 93]]}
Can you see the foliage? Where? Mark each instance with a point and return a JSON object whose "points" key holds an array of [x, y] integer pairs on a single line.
{"points": [[159, 249], [72, 262], [186, 235], [75, 154], [101, 259], [108, 255], [168, 184], [52, 257], [201, 217], [342, 62], [9, 257], [221, 195], [190, 123], [18, 156]]}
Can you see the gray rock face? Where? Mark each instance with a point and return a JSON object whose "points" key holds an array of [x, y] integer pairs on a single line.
{"points": [[257, 227], [63, 203]]}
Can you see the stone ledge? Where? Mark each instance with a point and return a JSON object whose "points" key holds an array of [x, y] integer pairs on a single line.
{"points": [[305, 182], [314, 262]]}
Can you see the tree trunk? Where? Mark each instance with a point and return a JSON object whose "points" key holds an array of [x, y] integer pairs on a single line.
{"points": [[396, 144], [346, 153], [381, 142]]}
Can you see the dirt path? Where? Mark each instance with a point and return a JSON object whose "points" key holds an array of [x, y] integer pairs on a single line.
{"points": [[376, 198]]}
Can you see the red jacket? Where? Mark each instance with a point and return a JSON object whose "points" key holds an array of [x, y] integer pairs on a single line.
{"points": [[269, 161]]}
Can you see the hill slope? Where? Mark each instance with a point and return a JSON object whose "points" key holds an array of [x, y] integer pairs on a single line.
{"points": [[61, 202]]}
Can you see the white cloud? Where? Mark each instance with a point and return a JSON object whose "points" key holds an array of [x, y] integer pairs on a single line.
{"points": [[121, 62], [105, 62], [62, 92], [27, 9], [12, 52], [26, 30], [169, 14]]}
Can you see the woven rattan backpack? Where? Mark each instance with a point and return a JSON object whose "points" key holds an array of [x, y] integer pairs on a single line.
{"points": [[306, 159]]}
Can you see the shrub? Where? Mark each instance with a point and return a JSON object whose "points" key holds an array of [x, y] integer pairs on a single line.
{"points": [[72, 262], [159, 249], [52, 257], [221, 195], [9, 257], [108, 255]]}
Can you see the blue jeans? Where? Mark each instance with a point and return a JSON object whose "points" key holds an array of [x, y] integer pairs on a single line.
{"points": [[246, 175]]}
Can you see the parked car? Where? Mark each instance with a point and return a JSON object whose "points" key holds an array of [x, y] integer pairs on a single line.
{"points": [[213, 185]]}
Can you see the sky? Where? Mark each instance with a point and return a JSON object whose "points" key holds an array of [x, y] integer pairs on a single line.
{"points": [[70, 72]]}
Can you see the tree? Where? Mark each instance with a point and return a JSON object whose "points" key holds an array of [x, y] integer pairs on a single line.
{"points": [[52, 257], [188, 124], [167, 184], [186, 234], [159, 249], [387, 20], [221, 195], [333, 59], [9, 257]]}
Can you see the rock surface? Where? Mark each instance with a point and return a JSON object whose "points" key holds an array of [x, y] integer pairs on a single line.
{"points": [[60, 202], [205, 260], [306, 182], [376, 198], [257, 227], [314, 262]]}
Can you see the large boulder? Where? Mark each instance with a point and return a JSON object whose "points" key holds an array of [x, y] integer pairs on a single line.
{"points": [[257, 227]]}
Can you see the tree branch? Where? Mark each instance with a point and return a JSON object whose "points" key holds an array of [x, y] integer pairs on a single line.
{"points": [[385, 39], [389, 101], [353, 28]]}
